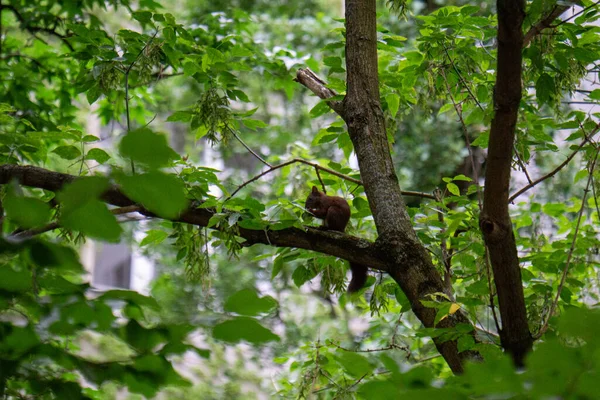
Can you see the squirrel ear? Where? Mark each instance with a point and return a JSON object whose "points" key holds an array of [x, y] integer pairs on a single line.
{"points": [[315, 190]]}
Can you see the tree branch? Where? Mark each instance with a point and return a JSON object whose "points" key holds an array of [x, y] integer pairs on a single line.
{"points": [[310, 80], [333, 243], [563, 278], [555, 170], [494, 219], [54, 225], [362, 112], [33, 29], [318, 168]]}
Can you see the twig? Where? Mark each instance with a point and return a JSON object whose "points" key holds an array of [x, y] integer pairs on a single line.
{"points": [[563, 279], [577, 14], [521, 163], [320, 180], [446, 256], [319, 167], [54, 225], [391, 346], [310, 80], [462, 80], [127, 87], [157, 77], [544, 23], [554, 171], [33, 29], [248, 147], [467, 140], [491, 292]]}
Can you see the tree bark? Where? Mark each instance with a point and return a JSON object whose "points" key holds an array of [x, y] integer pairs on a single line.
{"points": [[409, 263], [337, 244], [494, 220]]}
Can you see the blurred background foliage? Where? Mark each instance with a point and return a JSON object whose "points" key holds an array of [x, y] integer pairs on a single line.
{"points": [[98, 87]]}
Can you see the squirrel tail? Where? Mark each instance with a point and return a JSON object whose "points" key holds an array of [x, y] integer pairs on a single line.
{"points": [[359, 277]]}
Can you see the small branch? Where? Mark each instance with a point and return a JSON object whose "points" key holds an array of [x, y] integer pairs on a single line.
{"points": [[336, 244], [458, 110], [577, 14], [544, 327], [247, 147], [2, 206], [491, 292], [310, 80], [33, 29], [320, 180], [295, 160], [54, 225], [544, 23], [157, 77], [386, 348], [127, 87], [462, 81], [554, 171], [18, 55], [446, 255], [521, 164], [318, 167]]}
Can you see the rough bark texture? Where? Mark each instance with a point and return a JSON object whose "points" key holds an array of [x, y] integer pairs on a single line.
{"points": [[495, 221], [409, 263], [333, 243]]}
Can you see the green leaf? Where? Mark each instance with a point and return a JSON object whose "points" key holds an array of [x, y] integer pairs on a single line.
{"points": [[243, 329], [131, 296], [301, 275], [51, 255], [594, 95], [180, 116], [142, 16], [81, 191], [154, 237], [254, 124], [354, 363], [27, 212], [393, 102], [247, 302], [160, 193], [379, 390], [321, 108], [93, 219], [147, 147], [16, 341], [465, 342], [453, 188], [545, 88], [67, 152], [14, 280], [98, 155]]}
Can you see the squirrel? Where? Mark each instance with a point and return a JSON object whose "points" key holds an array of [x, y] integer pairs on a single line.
{"points": [[335, 213]]}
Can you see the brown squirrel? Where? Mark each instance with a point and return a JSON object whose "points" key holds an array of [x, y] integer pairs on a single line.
{"points": [[335, 213]]}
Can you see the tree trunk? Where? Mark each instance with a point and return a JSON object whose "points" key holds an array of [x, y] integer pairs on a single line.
{"points": [[495, 221], [409, 263]]}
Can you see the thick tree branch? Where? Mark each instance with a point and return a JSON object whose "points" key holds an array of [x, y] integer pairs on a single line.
{"points": [[333, 243], [494, 220], [309, 79], [544, 23], [410, 264]]}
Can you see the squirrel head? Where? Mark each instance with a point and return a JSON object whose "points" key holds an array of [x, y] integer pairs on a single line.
{"points": [[313, 201]]}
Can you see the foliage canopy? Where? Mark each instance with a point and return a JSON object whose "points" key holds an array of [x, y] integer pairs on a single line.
{"points": [[196, 130]]}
